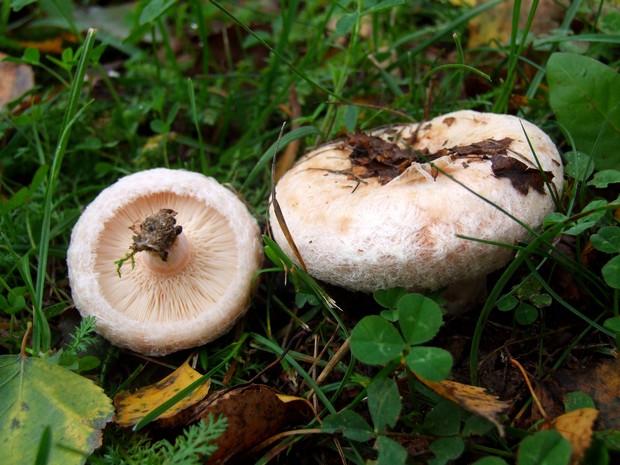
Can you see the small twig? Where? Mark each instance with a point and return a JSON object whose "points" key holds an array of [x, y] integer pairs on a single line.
{"points": [[516, 364], [276, 206]]}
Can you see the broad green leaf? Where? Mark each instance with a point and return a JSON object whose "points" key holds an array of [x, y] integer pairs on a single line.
{"points": [[585, 96], [506, 302], [388, 298], [349, 117], [376, 341], [604, 178], [384, 403], [544, 448], [490, 461], [444, 419], [611, 438], [17, 5], [31, 56], [352, 425], [419, 318], [37, 394], [431, 363], [476, 425], [597, 207], [154, 9], [345, 23], [611, 272], [613, 323], [578, 400], [607, 239], [446, 449], [579, 165], [526, 314], [390, 452]]}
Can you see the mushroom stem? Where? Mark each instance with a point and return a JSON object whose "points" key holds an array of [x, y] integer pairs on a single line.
{"points": [[159, 236], [178, 256]]}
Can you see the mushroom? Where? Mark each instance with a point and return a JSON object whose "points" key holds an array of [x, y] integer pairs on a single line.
{"points": [[389, 208], [164, 260]]}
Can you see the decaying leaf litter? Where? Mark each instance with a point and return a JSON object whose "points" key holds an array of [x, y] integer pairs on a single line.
{"points": [[290, 347]]}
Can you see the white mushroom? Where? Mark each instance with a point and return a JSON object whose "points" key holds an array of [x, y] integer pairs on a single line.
{"points": [[176, 295], [382, 210]]}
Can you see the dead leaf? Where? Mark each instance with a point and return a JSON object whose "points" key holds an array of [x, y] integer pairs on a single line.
{"points": [[373, 157], [54, 45], [474, 399], [254, 412], [521, 176], [494, 26], [601, 381], [131, 408], [576, 426], [15, 80]]}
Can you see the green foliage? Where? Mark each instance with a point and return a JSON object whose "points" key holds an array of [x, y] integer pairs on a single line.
{"points": [[376, 341], [351, 424], [390, 452], [71, 356], [607, 239], [526, 300], [42, 399], [192, 447], [585, 96], [383, 403], [206, 86], [544, 448]]}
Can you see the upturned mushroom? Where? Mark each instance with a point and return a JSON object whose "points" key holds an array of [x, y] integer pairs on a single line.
{"points": [[164, 260], [390, 208]]}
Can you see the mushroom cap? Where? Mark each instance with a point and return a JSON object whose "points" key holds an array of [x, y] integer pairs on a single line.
{"points": [[367, 230], [158, 313]]}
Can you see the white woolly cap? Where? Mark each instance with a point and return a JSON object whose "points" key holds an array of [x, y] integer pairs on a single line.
{"points": [[158, 313], [363, 235]]}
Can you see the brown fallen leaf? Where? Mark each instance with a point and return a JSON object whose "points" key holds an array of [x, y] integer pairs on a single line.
{"points": [[132, 407], [15, 80], [576, 426], [255, 412], [601, 381], [54, 45], [474, 399]]}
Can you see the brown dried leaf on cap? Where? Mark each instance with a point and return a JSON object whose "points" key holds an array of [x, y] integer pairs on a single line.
{"points": [[374, 157]]}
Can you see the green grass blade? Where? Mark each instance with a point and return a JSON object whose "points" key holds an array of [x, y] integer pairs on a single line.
{"points": [[266, 158], [157, 411], [41, 337], [279, 351]]}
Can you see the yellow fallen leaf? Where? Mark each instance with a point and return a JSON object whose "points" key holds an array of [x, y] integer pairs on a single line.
{"points": [[131, 408], [494, 26], [576, 427], [474, 399]]}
